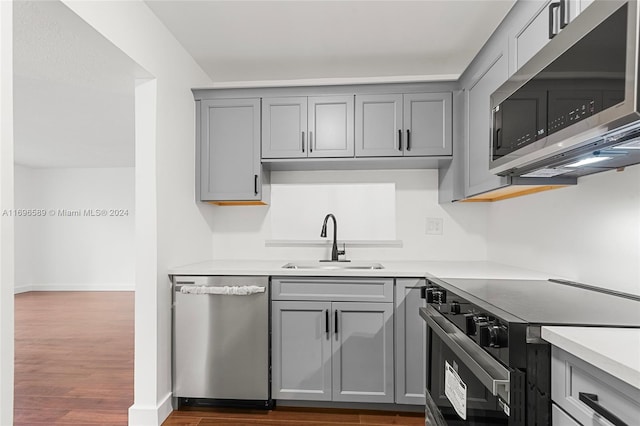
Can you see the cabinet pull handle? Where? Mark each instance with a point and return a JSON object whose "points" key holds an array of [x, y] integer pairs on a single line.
{"points": [[408, 140], [564, 13], [552, 8], [399, 140], [255, 184], [591, 400], [335, 320], [326, 322], [302, 141], [310, 141]]}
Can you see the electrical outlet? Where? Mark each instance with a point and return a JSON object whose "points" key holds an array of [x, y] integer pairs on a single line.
{"points": [[434, 226]]}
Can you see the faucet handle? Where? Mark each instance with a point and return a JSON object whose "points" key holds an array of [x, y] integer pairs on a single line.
{"points": [[343, 252]]}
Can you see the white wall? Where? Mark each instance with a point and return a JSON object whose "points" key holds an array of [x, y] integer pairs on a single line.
{"points": [[241, 232], [57, 252], [171, 229], [588, 233], [6, 222]]}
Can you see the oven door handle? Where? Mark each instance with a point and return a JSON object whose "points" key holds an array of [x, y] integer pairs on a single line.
{"points": [[492, 374]]}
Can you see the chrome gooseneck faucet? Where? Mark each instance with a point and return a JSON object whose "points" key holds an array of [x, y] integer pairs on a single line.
{"points": [[334, 249]]}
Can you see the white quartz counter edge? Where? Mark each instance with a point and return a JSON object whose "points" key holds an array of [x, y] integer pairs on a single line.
{"points": [[613, 350], [443, 269]]}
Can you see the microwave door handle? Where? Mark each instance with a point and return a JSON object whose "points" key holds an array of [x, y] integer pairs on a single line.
{"points": [[498, 139], [493, 375]]}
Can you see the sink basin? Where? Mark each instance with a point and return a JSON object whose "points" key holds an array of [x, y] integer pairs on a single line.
{"points": [[333, 265]]}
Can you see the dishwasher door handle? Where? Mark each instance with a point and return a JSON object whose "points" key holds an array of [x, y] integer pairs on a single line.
{"points": [[202, 290]]}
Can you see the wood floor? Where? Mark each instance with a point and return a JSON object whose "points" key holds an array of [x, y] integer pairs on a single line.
{"points": [[73, 358], [74, 366], [287, 416]]}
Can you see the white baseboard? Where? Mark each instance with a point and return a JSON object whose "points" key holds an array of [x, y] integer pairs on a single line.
{"points": [[150, 416], [22, 288]]}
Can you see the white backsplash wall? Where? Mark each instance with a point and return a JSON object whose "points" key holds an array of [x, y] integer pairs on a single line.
{"points": [[57, 252], [588, 233], [241, 232]]}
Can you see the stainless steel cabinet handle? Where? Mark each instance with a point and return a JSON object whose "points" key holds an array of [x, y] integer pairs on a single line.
{"points": [[591, 400], [552, 21], [255, 184], [399, 140], [408, 140], [310, 141], [302, 141], [493, 375], [335, 319]]}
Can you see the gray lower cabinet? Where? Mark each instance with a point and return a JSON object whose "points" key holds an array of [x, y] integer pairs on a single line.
{"points": [[229, 149], [301, 350], [284, 127], [331, 350], [494, 73], [580, 389], [394, 125], [411, 357]]}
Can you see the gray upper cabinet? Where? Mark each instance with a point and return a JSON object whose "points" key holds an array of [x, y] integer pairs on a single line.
{"points": [[284, 127], [478, 179], [427, 124], [379, 125], [392, 125], [330, 126], [229, 149], [411, 332]]}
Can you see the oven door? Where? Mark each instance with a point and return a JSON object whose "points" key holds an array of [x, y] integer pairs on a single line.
{"points": [[466, 384]]}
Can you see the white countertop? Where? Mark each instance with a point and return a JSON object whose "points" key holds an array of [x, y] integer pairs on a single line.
{"points": [[613, 350], [444, 269]]}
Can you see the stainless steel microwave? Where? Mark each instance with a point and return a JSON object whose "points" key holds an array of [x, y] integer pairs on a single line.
{"points": [[573, 109]]}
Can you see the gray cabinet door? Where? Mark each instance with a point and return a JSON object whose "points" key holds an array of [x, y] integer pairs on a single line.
{"points": [[284, 127], [379, 126], [331, 126], [301, 350], [428, 124], [535, 33], [478, 179], [362, 359], [410, 337], [230, 150]]}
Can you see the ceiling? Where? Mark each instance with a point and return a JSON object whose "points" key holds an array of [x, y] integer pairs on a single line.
{"points": [[260, 41], [73, 91]]}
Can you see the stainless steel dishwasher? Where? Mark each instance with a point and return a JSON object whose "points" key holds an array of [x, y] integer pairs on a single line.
{"points": [[221, 340]]}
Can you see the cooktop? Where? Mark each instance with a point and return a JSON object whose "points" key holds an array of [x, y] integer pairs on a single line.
{"points": [[548, 302]]}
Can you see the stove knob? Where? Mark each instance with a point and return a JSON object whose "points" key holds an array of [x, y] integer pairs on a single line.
{"points": [[454, 307], [483, 334], [440, 296], [498, 336], [469, 324], [493, 336]]}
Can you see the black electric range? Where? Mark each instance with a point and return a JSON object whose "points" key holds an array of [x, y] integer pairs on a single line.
{"points": [[488, 331]]}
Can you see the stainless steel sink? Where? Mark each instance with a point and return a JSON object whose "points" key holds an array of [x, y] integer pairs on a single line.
{"points": [[333, 265]]}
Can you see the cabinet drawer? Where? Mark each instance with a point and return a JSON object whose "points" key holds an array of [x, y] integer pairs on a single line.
{"points": [[560, 418], [333, 289], [571, 376]]}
